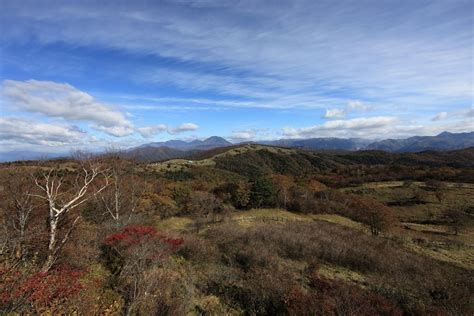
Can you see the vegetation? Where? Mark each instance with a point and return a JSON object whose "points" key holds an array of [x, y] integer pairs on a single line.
{"points": [[251, 230]]}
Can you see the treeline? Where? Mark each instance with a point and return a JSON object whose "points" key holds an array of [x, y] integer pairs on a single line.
{"points": [[353, 168]]}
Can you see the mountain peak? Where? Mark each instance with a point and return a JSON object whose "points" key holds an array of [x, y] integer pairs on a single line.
{"points": [[216, 140], [445, 134]]}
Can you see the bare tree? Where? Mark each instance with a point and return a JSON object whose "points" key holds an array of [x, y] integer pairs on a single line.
{"points": [[18, 207], [62, 201], [439, 188], [122, 197], [203, 207]]}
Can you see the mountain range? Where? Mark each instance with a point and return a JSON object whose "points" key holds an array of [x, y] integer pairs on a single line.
{"points": [[178, 148], [181, 149], [209, 143]]}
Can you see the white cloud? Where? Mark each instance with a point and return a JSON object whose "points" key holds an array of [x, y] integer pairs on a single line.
{"points": [[335, 113], [244, 135], [252, 134], [380, 127], [150, 131], [352, 105], [185, 127], [117, 131], [440, 116], [62, 100], [21, 131], [358, 105], [342, 128]]}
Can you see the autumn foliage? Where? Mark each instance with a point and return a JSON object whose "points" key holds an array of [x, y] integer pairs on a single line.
{"points": [[334, 297], [40, 291], [132, 256]]}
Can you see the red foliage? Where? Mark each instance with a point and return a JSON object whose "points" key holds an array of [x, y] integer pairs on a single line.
{"points": [[40, 289]]}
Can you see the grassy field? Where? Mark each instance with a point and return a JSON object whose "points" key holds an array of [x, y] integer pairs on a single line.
{"points": [[435, 241], [455, 196]]}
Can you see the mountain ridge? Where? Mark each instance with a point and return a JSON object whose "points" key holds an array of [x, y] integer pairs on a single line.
{"points": [[156, 151]]}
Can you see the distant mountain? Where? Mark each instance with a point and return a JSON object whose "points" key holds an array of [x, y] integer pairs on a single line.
{"points": [[209, 143], [441, 142], [29, 155], [215, 141], [181, 149], [175, 149], [326, 143], [155, 153]]}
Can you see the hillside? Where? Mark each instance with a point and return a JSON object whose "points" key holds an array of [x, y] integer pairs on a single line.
{"points": [[154, 153], [256, 160]]}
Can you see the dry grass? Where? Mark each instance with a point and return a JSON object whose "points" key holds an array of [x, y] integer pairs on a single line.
{"points": [[180, 164], [461, 256], [340, 220], [336, 272], [174, 224], [251, 217]]}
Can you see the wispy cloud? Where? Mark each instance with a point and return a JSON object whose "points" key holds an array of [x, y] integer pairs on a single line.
{"points": [[269, 51], [357, 126]]}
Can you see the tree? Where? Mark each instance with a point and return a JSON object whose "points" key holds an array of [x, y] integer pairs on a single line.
{"points": [[203, 207], [18, 207], [375, 214], [438, 187], [235, 193], [262, 193], [456, 218], [62, 201], [282, 184], [122, 197]]}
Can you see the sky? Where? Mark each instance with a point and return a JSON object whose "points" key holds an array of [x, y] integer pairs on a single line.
{"points": [[102, 74]]}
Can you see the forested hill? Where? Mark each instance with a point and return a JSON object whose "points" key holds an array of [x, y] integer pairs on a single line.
{"points": [[253, 161]]}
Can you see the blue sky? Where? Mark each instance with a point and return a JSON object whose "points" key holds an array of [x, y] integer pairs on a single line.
{"points": [[84, 74]]}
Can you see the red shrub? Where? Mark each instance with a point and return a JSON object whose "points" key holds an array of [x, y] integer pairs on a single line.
{"points": [[38, 291]]}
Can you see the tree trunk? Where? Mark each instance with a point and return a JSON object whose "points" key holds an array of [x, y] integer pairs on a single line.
{"points": [[53, 226]]}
